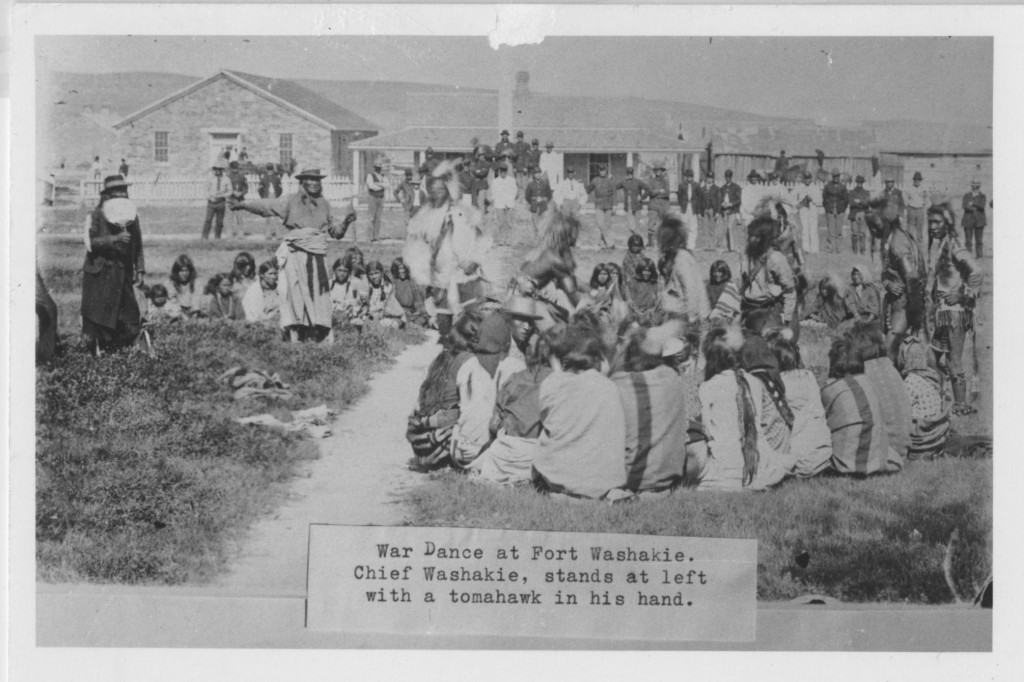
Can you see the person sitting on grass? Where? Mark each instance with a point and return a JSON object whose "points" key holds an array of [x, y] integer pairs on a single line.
{"points": [[929, 412], [855, 416], [408, 294], [634, 255], [478, 389], [222, 303], [348, 301], [618, 281], [436, 412], [829, 307], [654, 403], [583, 428], [261, 302], [598, 298], [243, 273], [379, 291], [182, 287], [723, 294], [161, 308], [810, 440], [515, 425], [862, 297], [644, 294], [869, 343], [738, 454]]}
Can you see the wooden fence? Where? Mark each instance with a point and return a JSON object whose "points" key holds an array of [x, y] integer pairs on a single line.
{"points": [[156, 191]]}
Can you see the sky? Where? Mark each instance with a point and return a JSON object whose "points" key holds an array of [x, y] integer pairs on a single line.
{"points": [[832, 80]]}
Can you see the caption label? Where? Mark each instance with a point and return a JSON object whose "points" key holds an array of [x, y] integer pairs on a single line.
{"points": [[530, 583]]}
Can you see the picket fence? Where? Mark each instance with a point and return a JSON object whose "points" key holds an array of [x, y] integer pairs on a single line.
{"points": [[159, 190]]}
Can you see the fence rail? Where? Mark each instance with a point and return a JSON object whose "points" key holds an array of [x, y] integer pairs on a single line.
{"points": [[160, 190]]}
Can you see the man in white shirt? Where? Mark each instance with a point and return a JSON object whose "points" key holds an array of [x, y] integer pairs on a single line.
{"points": [[503, 194], [916, 199], [808, 201], [570, 194], [551, 164]]}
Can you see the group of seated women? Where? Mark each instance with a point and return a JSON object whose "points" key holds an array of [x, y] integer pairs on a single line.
{"points": [[360, 293], [573, 412]]}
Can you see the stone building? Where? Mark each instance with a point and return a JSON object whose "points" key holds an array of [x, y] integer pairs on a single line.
{"points": [[272, 120]]}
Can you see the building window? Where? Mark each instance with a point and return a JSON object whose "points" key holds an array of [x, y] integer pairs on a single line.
{"points": [[160, 154], [285, 149]]}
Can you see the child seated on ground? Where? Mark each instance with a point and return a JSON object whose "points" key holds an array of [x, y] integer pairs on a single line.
{"points": [[243, 274], [862, 298], [182, 289], [162, 308], [644, 294], [347, 298], [829, 307], [583, 428], [222, 302], [634, 256], [810, 440], [723, 294], [407, 295], [378, 293], [929, 411], [261, 302], [855, 416]]}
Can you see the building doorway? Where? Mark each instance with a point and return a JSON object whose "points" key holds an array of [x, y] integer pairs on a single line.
{"points": [[222, 143]]}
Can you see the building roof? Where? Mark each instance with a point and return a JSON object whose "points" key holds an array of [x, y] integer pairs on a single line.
{"points": [[916, 137], [292, 96], [796, 140], [565, 139]]}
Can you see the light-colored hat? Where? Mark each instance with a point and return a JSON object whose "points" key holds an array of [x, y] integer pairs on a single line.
{"points": [[311, 173], [673, 346], [522, 306], [218, 164]]}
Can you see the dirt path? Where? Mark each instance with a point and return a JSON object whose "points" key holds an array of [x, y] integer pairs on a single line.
{"points": [[358, 479]]}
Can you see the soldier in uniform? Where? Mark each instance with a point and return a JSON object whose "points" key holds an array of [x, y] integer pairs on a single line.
{"points": [[520, 158], [954, 286], [603, 187], [973, 222], [633, 194], [835, 200], [691, 206], [711, 195], [504, 148], [658, 205], [859, 200], [538, 195], [731, 196]]}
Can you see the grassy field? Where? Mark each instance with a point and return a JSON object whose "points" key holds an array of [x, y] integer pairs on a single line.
{"points": [[112, 506], [141, 473]]}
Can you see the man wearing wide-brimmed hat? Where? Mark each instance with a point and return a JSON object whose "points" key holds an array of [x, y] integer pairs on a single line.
{"points": [[835, 199], [376, 185], [660, 193], [114, 265], [304, 281], [973, 222], [217, 192], [860, 199]]}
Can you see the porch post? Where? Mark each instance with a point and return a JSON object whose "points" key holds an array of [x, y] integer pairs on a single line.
{"points": [[355, 177]]}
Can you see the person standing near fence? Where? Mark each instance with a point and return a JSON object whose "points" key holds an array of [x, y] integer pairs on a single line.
{"points": [[916, 198], [123, 169], [633, 194], [808, 201], [270, 188], [731, 199], [603, 188], [691, 205], [711, 198], [503, 193], [859, 200], [217, 192], [660, 193], [375, 186], [835, 200], [239, 188], [973, 222]]}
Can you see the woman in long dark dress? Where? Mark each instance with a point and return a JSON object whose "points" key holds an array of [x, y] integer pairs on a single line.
{"points": [[114, 263]]}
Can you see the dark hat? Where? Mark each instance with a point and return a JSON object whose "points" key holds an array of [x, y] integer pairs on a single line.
{"points": [[835, 172], [710, 174], [408, 172], [975, 182], [570, 171], [601, 167], [859, 178], [728, 172], [502, 168], [535, 141], [783, 151], [888, 179], [629, 170], [918, 176], [549, 144], [504, 132], [112, 182], [233, 164], [689, 172], [430, 149], [807, 174], [520, 134], [535, 169], [311, 173]]}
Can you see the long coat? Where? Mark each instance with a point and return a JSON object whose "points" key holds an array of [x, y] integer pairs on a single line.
{"points": [[109, 272]]}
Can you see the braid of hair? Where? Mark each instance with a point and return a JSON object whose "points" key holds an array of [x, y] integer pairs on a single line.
{"points": [[748, 427]]}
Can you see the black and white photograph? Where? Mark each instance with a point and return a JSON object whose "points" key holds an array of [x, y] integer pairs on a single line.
{"points": [[381, 336]]}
